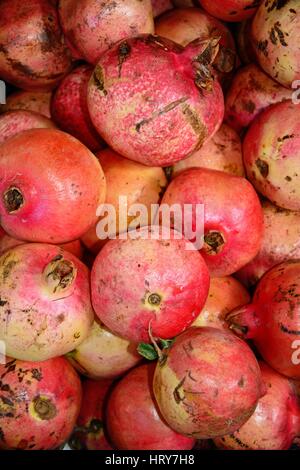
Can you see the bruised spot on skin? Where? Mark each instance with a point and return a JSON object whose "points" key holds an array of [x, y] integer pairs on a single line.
{"points": [[262, 46], [249, 106], [123, 53], [98, 78], [263, 167], [166, 109], [176, 393], [193, 119], [42, 408]]}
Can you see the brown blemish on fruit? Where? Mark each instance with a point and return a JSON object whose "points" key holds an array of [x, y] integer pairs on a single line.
{"points": [[7, 269], [262, 46], [176, 394], [123, 54], [241, 382], [36, 374], [254, 4], [98, 78], [44, 408], [13, 200], [196, 124], [166, 109], [284, 329], [249, 106], [277, 34], [213, 242], [278, 4], [263, 167]]}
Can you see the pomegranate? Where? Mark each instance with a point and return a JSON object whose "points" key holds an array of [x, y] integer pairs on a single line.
{"points": [[271, 151], [275, 422], [251, 92], [222, 152], [133, 419], [92, 27], [103, 355], [233, 219], [39, 403], [230, 10], [275, 34], [69, 107], [281, 241], [149, 284], [245, 49], [90, 434], [272, 319], [225, 294], [134, 183], [161, 6], [50, 186], [45, 308], [33, 55], [184, 25], [199, 392], [7, 242], [14, 122], [156, 121], [37, 101]]}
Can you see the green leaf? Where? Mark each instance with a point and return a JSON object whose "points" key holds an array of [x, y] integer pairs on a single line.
{"points": [[148, 351], [166, 343]]}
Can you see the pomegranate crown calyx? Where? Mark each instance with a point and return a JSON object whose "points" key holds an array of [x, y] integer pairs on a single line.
{"points": [[204, 60]]}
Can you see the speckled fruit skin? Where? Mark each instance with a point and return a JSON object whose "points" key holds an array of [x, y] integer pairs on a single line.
{"points": [[50, 185], [199, 392], [161, 6], [36, 101], [230, 10], [281, 241], [222, 152], [69, 107], [232, 212], [103, 355], [144, 102], [125, 178], [39, 403], [91, 417], [33, 55], [250, 93], [141, 284], [275, 422], [14, 122], [271, 151], [7, 242], [275, 33], [184, 25], [133, 418], [45, 308], [272, 319], [92, 27], [225, 294]]}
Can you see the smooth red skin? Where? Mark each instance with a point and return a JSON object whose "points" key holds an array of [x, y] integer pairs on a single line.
{"points": [[184, 25], [225, 294], [161, 6], [230, 10], [92, 27], [274, 140], [36, 322], [126, 271], [273, 318], [275, 422], [250, 93], [7, 242], [281, 241], [231, 206], [54, 379], [2, 232], [36, 101], [279, 58], [33, 54], [69, 108], [217, 378], [126, 178], [94, 396], [137, 93], [14, 122], [61, 181], [222, 152], [133, 418], [245, 49]]}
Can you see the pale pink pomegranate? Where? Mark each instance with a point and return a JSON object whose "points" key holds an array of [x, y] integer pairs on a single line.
{"points": [[14, 122], [37, 101]]}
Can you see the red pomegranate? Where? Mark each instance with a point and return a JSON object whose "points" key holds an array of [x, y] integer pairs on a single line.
{"points": [[133, 419], [275, 422], [233, 219], [272, 319], [271, 151], [230, 10], [281, 241], [92, 27], [45, 308], [50, 185], [69, 107], [209, 383], [36, 101], [39, 403], [156, 121], [14, 122], [33, 55], [161, 6], [90, 434], [148, 283]]}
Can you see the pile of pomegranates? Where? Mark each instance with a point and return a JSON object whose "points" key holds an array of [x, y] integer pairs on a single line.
{"points": [[149, 225]]}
